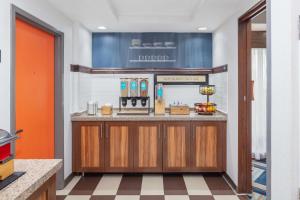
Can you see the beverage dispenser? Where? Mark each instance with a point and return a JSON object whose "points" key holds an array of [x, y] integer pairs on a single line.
{"points": [[144, 91], [134, 91], [124, 90], [160, 108]]}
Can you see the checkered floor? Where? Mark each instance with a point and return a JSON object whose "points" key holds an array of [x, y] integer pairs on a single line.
{"points": [[148, 187]]}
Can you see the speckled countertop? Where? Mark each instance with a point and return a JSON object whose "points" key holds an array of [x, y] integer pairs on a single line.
{"points": [[218, 116], [37, 173]]}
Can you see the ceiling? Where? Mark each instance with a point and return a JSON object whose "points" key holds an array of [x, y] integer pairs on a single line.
{"points": [[149, 15]]}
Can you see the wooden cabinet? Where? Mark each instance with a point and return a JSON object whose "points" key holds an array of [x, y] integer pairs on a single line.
{"points": [[176, 146], [148, 147], [181, 146], [47, 191], [118, 147], [88, 146], [208, 146]]}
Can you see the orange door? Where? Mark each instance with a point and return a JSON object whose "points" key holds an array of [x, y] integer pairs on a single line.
{"points": [[34, 91]]}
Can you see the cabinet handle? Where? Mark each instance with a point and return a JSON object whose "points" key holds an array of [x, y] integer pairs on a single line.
{"points": [[193, 132], [101, 131], [106, 133], [158, 131]]}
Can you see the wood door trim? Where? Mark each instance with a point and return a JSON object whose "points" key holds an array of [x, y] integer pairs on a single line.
{"points": [[254, 11], [244, 98]]}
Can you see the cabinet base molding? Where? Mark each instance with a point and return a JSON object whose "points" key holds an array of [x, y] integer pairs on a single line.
{"points": [[229, 181], [68, 179]]}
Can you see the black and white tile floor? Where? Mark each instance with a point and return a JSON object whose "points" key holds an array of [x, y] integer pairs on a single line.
{"points": [[148, 187]]}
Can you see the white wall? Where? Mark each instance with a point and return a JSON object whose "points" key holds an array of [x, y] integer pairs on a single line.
{"points": [[82, 45], [82, 55], [225, 51], [106, 89], [284, 119], [297, 12], [299, 91], [45, 12]]}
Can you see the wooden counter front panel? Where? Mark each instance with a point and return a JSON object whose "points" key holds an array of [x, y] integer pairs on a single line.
{"points": [[45, 192], [88, 147], [118, 147], [176, 146], [91, 147], [148, 147], [207, 146]]}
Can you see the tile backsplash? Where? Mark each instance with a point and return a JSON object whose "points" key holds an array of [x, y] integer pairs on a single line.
{"points": [[105, 88], [220, 80]]}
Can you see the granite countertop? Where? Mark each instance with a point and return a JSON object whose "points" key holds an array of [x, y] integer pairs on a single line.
{"points": [[218, 116], [37, 173]]}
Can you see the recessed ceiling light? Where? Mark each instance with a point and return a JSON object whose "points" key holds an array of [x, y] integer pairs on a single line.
{"points": [[202, 28], [102, 28]]}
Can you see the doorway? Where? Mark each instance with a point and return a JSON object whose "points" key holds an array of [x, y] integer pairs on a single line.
{"points": [[259, 105], [34, 92], [37, 88], [246, 95]]}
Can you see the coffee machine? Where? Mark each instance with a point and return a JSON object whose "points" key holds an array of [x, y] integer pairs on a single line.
{"points": [[160, 105]]}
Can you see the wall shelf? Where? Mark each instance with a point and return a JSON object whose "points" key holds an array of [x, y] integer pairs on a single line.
{"points": [[153, 61], [148, 70], [141, 48]]}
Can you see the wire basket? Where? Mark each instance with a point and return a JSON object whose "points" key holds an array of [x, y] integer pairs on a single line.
{"points": [[207, 89]]}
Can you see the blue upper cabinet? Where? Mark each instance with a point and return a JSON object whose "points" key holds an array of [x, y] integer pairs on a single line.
{"points": [[152, 50]]}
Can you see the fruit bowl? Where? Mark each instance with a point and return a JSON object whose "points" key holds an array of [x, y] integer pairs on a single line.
{"points": [[207, 90], [205, 108]]}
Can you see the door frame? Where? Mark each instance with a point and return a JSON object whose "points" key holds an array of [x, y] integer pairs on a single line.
{"points": [[17, 13], [244, 97]]}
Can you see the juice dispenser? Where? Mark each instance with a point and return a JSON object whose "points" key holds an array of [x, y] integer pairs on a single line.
{"points": [[124, 90], [160, 108], [144, 91], [134, 91]]}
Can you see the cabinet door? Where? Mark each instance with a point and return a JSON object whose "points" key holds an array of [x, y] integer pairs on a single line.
{"points": [[118, 147], [208, 146], [176, 146], [147, 148], [88, 147]]}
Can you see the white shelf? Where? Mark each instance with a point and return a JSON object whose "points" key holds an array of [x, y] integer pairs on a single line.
{"points": [[154, 61], [152, 47]]}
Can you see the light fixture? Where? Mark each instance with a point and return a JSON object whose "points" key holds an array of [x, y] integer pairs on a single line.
{"points": [[102, 28], [202, 28]]}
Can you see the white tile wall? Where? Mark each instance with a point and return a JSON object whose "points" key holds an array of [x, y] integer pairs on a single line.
{"points": [[105, 88], [84, 90], [220, 80]]}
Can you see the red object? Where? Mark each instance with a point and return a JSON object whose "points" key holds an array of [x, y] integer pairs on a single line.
{"points": [[4, 152]]}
